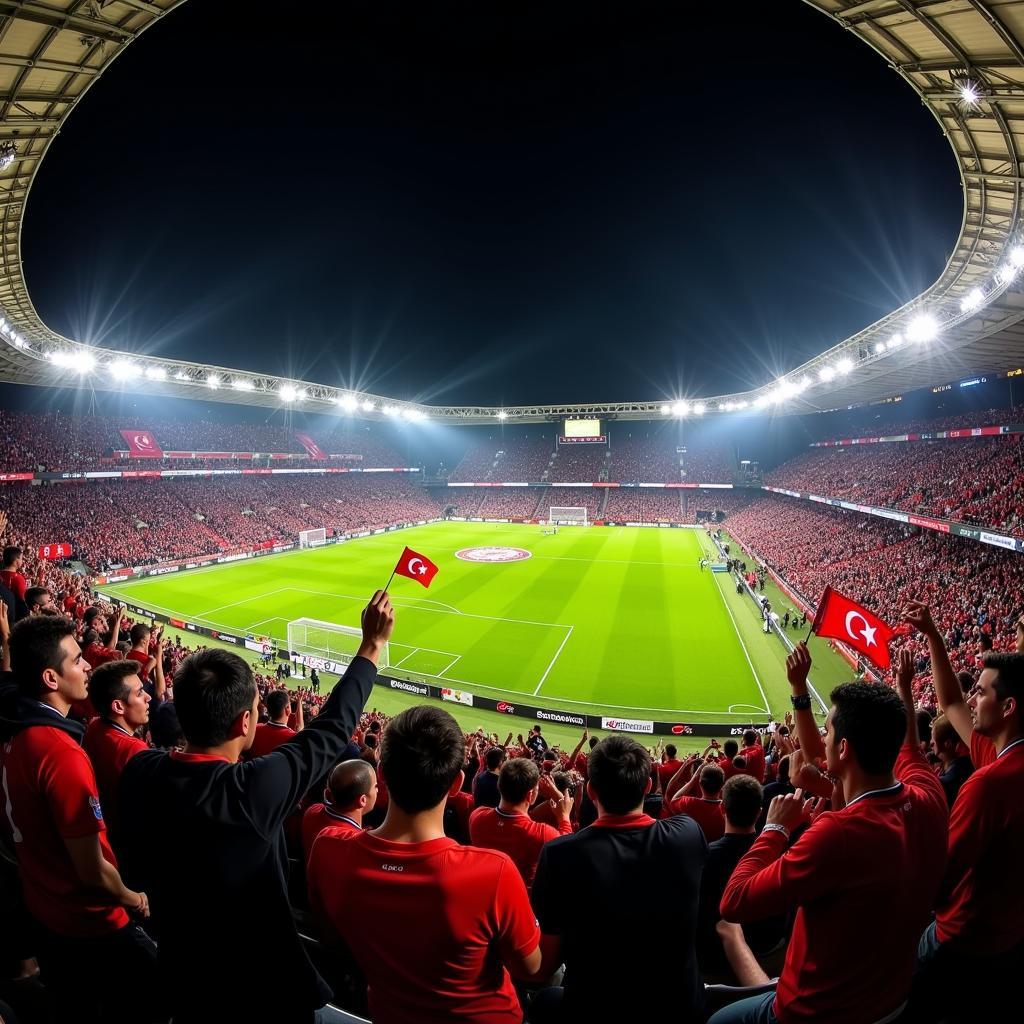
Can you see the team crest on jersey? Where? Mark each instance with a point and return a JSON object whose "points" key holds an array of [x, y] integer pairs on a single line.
{"points": [[493, 554], [97, 811]]}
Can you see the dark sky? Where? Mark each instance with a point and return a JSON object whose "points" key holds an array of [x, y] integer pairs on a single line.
{"points": [[618, 200]]}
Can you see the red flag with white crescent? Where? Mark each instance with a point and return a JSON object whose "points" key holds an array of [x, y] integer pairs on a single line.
{"points": [[416, 567], [142, 444], [842, 619]]}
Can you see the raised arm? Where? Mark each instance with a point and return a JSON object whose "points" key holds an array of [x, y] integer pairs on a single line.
{"points": [[159, 682], [947, 687], [798, 667]]}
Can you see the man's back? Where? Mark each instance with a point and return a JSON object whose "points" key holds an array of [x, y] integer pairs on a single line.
{"points": [[269, 736], [202, 836], [518, 835], [603, 883], [110, 748], [707, 813], [430, 924]]}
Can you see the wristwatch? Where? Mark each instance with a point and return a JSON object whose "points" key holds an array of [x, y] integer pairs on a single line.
{"points": [[801, 701]]}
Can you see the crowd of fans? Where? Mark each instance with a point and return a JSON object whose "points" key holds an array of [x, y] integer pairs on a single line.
{"points": [[876, 427], [980, 481], [975, 588], [412, 871], [580, 463]]}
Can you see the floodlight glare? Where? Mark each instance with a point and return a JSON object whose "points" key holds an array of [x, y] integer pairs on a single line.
{"points": [[724, 406], [243, 385], [680, 408], [923, 328], [741, 404], [502, 415], [761, 401], [699, 409], [895, 341], [121, 369], [1005, 274], [181, 375], [86, 362], [213, 381], [665, 410], [389, 410], [826, 373], [972, 300], [368, 406], [1016, 257], [970, 94], [349, 403], [287, 393], [156, 373], [879, 347], [845, 365]]}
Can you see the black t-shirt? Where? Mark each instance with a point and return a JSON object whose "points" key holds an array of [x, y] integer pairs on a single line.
{"points": [[596, 890], [485, 790], [959, 771]]}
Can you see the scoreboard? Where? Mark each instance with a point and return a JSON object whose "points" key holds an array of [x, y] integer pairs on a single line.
{"points": [[581, 432], [51, 551]]}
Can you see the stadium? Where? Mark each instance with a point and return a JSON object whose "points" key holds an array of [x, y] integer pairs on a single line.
{"points": [[271, 610]]}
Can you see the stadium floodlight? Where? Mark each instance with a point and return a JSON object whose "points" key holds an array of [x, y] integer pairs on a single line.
{"points": [[699, 409], [825, 374], [923, 328], [416, 415], [213, 381], [181, 375], [680, 408], [240, 384], [845, 365], [121, 369], [1005, 274], [288, 393], [972, 300], [665, 410], [725, 406], [156, 373], [368, 406], [879, 347], [742, 404], [348, 402], [502, 415], [761, 401], [970, 92], [1016, 257], [895, 341]]}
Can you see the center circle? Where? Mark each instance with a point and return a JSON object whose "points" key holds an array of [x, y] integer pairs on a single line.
{"points": [[493, 554]]}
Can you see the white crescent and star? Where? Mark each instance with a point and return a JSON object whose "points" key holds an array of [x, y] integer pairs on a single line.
{"points": [[412, 562], [868, 632]]}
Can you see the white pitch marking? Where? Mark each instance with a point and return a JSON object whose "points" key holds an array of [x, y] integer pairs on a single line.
{"points": [[553, 660]]}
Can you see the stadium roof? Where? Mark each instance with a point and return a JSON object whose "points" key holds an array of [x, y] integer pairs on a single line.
{"points": [[964, 58]]}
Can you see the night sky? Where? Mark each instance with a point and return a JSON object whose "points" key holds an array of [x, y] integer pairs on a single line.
{"points": [[445, 203]]}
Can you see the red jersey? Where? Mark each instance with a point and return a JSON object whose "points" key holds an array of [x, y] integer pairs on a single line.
{"points": [[318, 817], [882, 851], [707, 813], [143, 659], [15, 582], [667, 770], [518, 835], [978, 911], [462, 804], [729, 769], [755, 761], [110, 748], [429, 923], [51, 795], [96, 654], [269, 736]]}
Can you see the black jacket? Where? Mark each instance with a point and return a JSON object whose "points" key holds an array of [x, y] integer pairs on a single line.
{"points": [[204, 840], [18, 712]]}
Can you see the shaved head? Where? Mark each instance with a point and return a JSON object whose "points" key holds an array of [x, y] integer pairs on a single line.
{"points": [[349, 781]]}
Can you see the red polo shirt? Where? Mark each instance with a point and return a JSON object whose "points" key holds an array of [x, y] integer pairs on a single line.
{"points": [[755, 761], [981, 910], [667, 770], [318, 817], [269, 736], [882, 854], [15, 582], [707, 813], [431, 925], [110, 748], [143, 659], [51, 795], [518, 835]]}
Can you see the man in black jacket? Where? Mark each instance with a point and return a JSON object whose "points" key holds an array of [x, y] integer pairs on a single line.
{"points": [[204, 831]]}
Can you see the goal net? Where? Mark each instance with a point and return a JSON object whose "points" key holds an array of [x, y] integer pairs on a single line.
{"points": [[325, 644], [312, 538], [568, 516]]}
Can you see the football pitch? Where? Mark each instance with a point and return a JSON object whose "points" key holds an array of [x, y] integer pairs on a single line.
{"points": [[605, 620]]}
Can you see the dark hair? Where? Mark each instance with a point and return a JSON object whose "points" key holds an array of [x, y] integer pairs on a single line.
{"points": [[924, 725], [562, 781], [109, 683], [518, 776], [348, 781], [619, 771], [164, 727], [750, 737], [712, 778], [35, 646], [966, 680], [593, 742], [784, 769], [375, 726], [986, 643], [34, 595], [277, 701], [1010, 678], [90, 636], [944, 733], [739, 761], [494, 758], [421, 756], [535, 728], [670, 749], [211, 689], [11, 555], [730, 748], [90, 614], [742, 798], [140, 631], [872, 720]]}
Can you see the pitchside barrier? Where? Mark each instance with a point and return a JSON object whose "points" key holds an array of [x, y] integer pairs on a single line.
{"points": [[639, 726]]}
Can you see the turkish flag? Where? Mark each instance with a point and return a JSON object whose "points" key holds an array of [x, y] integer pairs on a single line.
{"points": [[842, 619], [142, 444], [416, 566]]}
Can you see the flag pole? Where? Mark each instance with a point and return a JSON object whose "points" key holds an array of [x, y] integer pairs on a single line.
{"points": [[390, 578]]}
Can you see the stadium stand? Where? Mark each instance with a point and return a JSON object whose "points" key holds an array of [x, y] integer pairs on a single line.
{"points": [[580, 463]]}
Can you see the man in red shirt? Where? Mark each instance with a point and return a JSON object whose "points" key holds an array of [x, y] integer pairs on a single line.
{"points": [[705, 809], [95, 651], [271, 734], [69, 874], [727, 762], [140, 635], [669, 766], [753, 754], [509, 826], [979, 919], [11, 575], [436, 927], [881, 848], [351, 792], [122, 707]]}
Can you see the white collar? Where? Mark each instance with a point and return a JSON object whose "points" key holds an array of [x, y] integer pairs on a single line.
{"points": [[1015, 743], [877, 792]]}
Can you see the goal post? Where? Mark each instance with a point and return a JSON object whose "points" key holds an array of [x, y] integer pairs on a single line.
{"points": [[559, 515], [323, 644], [312, 538]]}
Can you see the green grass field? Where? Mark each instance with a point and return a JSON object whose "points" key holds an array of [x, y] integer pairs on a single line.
{"points": [[614, 621]]}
